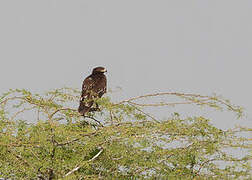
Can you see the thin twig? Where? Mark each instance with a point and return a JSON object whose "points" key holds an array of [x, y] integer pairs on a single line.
{"points": [[63, 109], [68, 142], [90, 117], [161, 94], [161, 104], [145, 113], [76, 139], [21, 111], [111, 117], [11, 98], [202, 165]]}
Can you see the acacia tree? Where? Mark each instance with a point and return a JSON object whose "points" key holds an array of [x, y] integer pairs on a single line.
{"points": [[44, 137]]}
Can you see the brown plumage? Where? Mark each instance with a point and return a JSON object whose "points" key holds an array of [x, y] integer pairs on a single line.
{"points": [[94, 86]]}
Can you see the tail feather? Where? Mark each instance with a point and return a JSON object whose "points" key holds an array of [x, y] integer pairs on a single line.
{"points": [[83, 108]]}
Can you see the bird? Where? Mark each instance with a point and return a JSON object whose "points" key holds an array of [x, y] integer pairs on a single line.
{"points": [[93, 87]]}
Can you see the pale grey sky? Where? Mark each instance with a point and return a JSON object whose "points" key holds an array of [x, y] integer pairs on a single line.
{"points": [[147, 45]]}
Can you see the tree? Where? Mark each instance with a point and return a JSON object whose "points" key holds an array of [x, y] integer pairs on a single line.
{"points": [[44, 137]]}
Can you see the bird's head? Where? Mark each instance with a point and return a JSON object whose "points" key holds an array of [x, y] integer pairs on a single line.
{"points": [[99, 70]]}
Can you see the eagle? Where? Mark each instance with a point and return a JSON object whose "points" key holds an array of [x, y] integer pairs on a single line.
{"points": [[93, 87]]}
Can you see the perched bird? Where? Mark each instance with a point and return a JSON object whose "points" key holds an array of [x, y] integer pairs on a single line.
{"points": [[94, 86]]}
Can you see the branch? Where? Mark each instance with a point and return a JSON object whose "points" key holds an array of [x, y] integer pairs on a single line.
{"points": [[11, 98], [145, 113], [202, 165], [189, 99], [68, 142], [21, 111], [162, 94], [76, 139], [78, 167], [90, 117], [63, 109], [93, 158], [161, 104]]}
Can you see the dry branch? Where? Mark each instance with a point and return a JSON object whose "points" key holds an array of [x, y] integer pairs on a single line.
{"points": [[78, 167]]}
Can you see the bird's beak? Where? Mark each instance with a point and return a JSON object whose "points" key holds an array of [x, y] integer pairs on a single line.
{"points": [[104, 70]]}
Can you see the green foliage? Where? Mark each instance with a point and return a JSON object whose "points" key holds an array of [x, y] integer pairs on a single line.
{"points": [[121, 141]]}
